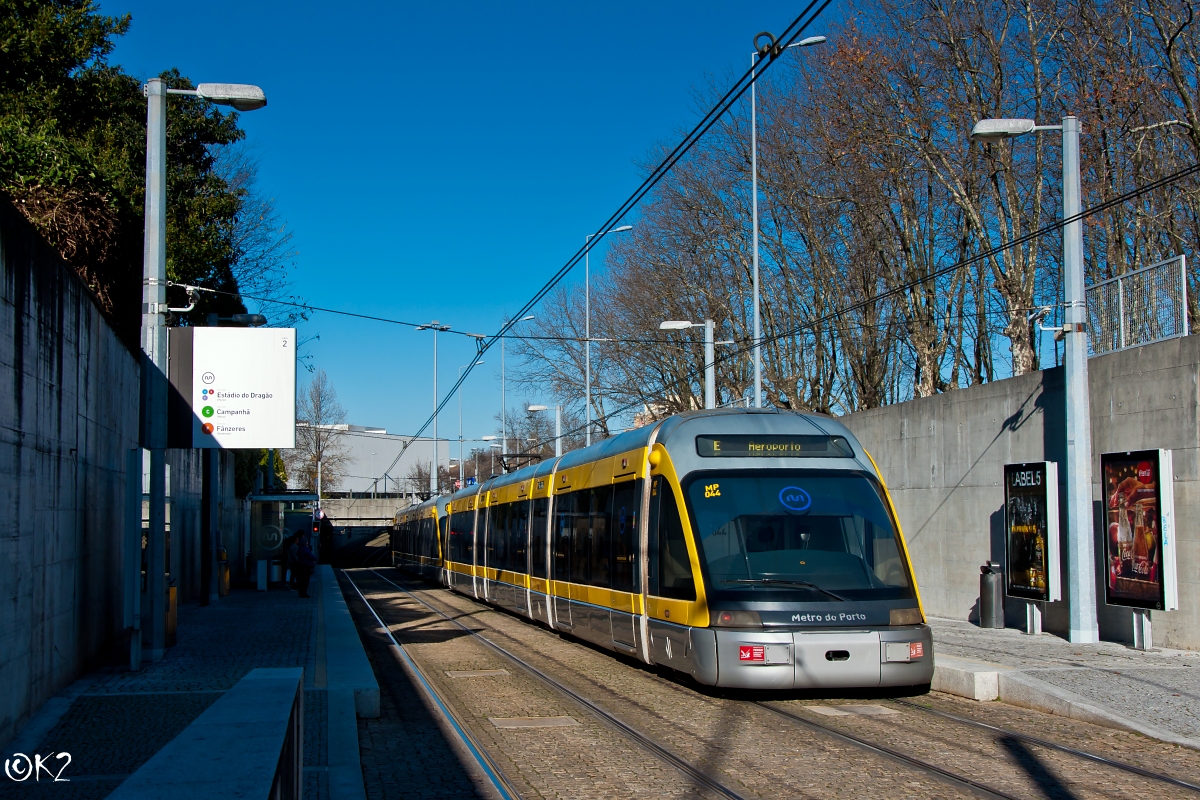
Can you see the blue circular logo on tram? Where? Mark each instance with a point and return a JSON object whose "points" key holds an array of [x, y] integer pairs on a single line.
{"points": [[794, 498]]}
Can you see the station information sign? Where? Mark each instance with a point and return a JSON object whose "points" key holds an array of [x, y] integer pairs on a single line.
{"points": [[1139, 540], [1031, 531], [244, 388]]}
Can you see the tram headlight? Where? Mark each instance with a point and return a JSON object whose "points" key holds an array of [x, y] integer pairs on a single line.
{"points": [[737, 619], [905, 616]]}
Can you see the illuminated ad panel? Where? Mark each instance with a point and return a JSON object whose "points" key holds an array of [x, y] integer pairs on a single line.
{"points": [[244, 388], [1031, 531], [1139, 540]]}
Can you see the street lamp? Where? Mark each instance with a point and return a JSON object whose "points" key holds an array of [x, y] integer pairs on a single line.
{"points": [[557, 426], [756, 348], [587, 328], [503, 409], [493, 454], [710, 365], [154, 338], [460, 436], [433, 477], [1081, 585]]}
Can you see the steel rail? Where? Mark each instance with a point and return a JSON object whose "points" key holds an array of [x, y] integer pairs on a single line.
{"points": [[943, 774], [1145, 773], [684, 766], [493, 772]]}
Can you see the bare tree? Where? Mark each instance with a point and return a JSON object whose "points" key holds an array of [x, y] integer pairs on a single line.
{"points": [[320, 438], [896, 256], [263, 246]]}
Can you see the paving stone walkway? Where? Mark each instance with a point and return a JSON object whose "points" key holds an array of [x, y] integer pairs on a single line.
{"points": [[1160, 687], [119, 719]]}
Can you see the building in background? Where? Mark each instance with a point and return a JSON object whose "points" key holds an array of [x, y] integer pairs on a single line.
{"points": [[372, 466]]}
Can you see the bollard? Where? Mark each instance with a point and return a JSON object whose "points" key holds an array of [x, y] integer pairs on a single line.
{"points": [[991, 596], [222, 573], [172, 615]]}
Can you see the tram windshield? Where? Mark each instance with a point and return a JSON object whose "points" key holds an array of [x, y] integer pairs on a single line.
{"points": [[817, 536]]}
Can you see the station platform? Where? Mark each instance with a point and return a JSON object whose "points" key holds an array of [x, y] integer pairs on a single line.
{"points": [[112, 721], [1155, 693]]}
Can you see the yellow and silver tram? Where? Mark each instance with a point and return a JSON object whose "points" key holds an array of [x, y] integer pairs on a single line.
{"points": [[753, 549]]}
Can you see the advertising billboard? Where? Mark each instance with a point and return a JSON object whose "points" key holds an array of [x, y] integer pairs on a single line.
{"points": [[243, 387], [1031, 531], [1139, 539]]}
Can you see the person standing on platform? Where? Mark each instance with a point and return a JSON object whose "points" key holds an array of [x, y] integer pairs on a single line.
{"points": [[306, 561], [290, 545]]}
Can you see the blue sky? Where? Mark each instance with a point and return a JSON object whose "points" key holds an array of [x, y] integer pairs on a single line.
{"points": [[440, 161]]}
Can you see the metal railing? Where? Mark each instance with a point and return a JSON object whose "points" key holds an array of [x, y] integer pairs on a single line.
{"points": [[1140, 307]]}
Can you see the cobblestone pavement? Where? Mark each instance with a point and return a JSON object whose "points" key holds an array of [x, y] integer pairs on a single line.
{"points": [[1160, 687], [123, 717], [745, 746]]}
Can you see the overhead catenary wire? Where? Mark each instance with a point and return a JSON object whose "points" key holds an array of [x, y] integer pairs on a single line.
{"points": [[735, 92], [414, 325], [1134, 193]]}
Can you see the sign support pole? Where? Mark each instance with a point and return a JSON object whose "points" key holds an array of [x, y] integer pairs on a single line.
{"points": [[1033, 618], [1143, 637]]}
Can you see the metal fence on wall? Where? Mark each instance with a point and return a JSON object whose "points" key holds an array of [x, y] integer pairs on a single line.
{"points": [[1143, 306]]}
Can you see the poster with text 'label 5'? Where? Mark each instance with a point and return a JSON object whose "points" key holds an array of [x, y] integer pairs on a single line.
{"points": [[1031, 531], [244, 387], [1139, 539]]}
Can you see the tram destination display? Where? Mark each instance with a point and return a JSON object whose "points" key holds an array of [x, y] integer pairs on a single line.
{"points": [[243, 387], [1031, 531], [773, 446], [1139, 540]]}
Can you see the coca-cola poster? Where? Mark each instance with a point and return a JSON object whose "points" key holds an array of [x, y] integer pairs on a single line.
{"points": [[1139, 551], [1031, 531]]}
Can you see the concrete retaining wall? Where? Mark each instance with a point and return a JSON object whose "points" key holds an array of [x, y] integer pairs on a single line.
{"points": [[943, 458], [68, 414], [69, 393]]}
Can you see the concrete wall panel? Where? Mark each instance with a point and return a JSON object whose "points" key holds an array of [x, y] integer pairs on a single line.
{"points": [[68, 412], [943, 459]]}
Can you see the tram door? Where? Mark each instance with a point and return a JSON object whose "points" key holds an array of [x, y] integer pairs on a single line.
{"points": [[518, 523], [560, 567], [626, 504], [479, 517]]}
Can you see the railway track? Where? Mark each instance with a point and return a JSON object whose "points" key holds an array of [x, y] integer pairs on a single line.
{"points": [[1040, 742], [950, 776], [693, 772]]}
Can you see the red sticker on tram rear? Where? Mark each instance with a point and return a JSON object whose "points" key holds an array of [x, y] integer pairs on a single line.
{"points": [[751, 653], [916, 649]]}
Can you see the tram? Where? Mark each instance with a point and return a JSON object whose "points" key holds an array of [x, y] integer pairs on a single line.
{"points": [[755, 549]]}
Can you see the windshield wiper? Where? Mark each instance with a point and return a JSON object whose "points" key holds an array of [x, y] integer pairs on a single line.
{"points": [[781, 582]]}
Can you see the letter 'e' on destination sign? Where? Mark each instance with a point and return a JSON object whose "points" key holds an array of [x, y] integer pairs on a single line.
{"points": [[244, 387], [772, 446]]}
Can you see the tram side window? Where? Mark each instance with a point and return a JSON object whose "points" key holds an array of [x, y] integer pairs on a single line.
{"points": [[599, 516], [674, 569], [624, 526], [564, 524], [537, 537], [466, 541], [581, 538], [497, 537], [518, 536]]}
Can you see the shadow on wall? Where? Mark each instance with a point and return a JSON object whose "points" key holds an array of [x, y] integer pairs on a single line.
{"points": [[1033, 403]]}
